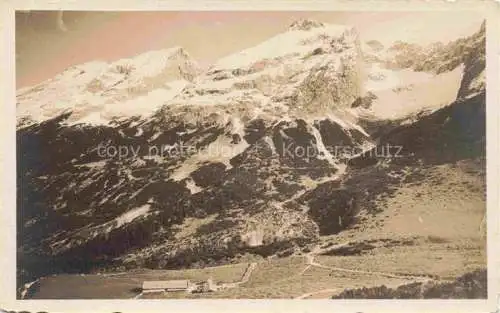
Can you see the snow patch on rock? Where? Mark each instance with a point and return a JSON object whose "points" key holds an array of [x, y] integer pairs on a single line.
{"points": [[131, 215]]}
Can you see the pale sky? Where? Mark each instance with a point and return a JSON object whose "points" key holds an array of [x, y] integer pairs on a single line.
{"points": [[47, 44]]}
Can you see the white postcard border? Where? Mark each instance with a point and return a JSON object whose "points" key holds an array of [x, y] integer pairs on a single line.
{"points": [[8, 159]]}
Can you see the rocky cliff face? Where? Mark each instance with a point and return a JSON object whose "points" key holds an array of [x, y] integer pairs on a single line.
{"points": [[457, 130], [152, 162], [437, 57]]}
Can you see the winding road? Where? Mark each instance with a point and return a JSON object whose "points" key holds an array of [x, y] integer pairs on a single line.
{"points": [[311, 262], [246, 276]]}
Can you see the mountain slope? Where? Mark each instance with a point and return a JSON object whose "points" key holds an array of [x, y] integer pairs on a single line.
{"points": [[246, 158], [241, 126]]}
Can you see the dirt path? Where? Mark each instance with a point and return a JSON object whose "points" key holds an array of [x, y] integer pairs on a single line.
{"points": [[385, 274], [317, 250], [248, 273], [311, 262], [246, 276]]}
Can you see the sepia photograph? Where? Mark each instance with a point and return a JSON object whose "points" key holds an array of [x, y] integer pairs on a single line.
{"points": [[280, 154]]}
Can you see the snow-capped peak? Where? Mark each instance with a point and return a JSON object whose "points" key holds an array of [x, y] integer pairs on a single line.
{"points": [[91, 89], [312, 66], [295, 41]]}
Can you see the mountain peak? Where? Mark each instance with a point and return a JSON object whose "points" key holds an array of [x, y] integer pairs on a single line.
{"points": [[305, 24], [178, 50]]}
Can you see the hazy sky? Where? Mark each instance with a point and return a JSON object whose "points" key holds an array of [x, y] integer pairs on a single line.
{"points": [[47, 42]]}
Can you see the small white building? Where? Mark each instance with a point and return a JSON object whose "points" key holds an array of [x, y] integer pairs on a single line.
{"points": [[165, 285]]}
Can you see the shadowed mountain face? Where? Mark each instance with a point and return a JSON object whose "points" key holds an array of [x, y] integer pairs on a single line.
{"points": [[236, 160]]}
